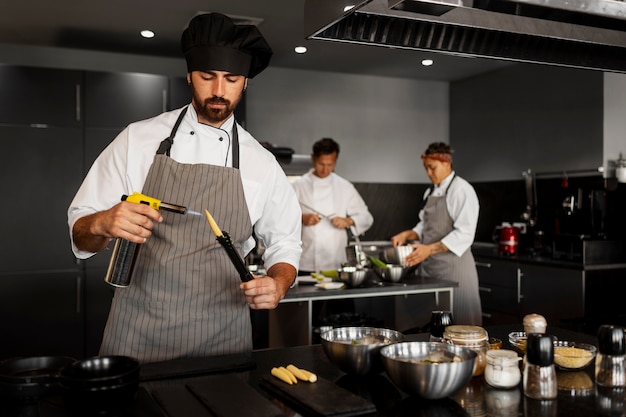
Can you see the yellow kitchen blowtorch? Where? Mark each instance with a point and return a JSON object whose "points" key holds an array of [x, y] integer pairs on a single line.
{"points": [[157, 204]]}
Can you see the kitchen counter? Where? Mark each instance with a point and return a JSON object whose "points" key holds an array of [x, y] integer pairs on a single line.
{"points": [[169, 381], [490, 250], [291, 323]]}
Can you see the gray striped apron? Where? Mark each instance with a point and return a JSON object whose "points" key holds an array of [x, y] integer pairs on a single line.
{"points": [[184, 300], [448, 266]]}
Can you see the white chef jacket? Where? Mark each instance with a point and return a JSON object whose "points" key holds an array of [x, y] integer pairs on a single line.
{"points": [[123, 166], [463, 206], [323, 245]]}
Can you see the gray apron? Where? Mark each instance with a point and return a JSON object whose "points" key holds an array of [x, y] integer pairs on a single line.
{"points": [[448, 266], [184, 300]]}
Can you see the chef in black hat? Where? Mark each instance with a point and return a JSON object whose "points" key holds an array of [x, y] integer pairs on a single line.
{"points": [[186, 298]]}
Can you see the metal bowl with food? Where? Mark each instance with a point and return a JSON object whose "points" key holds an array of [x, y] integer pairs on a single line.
{"points": [[352, 276], [356, 350], [431, 370], [392, 273], [572, 356]]}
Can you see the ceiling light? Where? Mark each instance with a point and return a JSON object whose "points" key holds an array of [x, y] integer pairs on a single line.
{"points": [[147, 34], [427, 62], [300, 49], [350, 7]]}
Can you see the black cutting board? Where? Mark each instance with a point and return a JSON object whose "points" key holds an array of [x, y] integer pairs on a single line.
{"points": [[187, 367], [321, 398], [230, 396]]}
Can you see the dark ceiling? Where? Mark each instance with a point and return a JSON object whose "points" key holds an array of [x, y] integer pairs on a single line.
{"points": [[114, 26]]}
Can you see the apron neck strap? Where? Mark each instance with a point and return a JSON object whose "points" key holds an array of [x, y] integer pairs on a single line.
{"points": [[166, 144]]}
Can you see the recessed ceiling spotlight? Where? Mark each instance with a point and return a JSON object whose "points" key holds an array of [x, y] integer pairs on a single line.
{"points": [[427, 62], [147, 34], [300, 49]]}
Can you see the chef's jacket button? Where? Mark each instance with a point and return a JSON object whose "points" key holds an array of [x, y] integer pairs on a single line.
{"points": [[221, 139], [192, 133]]}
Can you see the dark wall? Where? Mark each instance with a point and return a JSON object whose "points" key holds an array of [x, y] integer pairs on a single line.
{"points": [[395, 207], [526, 117]]}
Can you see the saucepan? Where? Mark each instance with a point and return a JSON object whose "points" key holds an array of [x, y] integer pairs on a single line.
{"points": [[28, 379], [101, 383]]}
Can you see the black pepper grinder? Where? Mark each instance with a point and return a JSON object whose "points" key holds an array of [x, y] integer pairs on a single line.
{"points": [[610, 362], [539, 372]]}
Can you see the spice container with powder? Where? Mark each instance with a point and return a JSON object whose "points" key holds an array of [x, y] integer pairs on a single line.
{"points": [[502, 370], [473, 337]]}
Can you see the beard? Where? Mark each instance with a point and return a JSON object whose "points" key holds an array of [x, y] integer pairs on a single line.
{"points": [[214, 116]]}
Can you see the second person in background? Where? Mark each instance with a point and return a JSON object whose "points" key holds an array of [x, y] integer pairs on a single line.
{"points": [[330, 206]]}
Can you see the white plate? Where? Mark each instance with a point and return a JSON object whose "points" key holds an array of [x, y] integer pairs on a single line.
{"points": [[330, 285], [309, 280]]}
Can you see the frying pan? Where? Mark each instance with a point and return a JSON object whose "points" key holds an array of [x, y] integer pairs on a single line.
{"points": [[30, 378]]}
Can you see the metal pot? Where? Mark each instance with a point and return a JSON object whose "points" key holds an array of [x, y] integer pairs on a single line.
{"points": [[28, 379]]}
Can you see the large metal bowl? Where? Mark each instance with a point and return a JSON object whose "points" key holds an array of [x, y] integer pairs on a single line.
{"points": [[356, 350], [410, 367], [396, 255]]}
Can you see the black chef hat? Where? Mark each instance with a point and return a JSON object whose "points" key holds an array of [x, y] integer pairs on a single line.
{"points": [[214, 42]]}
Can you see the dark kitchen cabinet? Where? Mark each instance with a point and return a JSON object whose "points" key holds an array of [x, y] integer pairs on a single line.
{"points": [[40, 96], [41, 171], [510, 289], [117, 99], [42, 314], [499, 287], [554, 292]]}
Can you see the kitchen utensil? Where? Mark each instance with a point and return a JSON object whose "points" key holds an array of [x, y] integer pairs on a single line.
{"points": [[100, 384], [572, 356], [392, 273], [355, 350], [429, 369], [439, 320], [27, 379], [352, 276], [224, 239], [509, 240], [396, 255]]}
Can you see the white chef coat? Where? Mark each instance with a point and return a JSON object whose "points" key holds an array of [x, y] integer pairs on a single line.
{"points": [[323, 245], [123, 166], [463, 206]]}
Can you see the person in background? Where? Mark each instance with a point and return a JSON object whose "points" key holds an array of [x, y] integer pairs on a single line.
{"points": [[186, 298], [331, 208], [446, 229]]}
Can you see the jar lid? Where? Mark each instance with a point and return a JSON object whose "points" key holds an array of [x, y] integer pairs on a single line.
{"points": [[540, 349], [535, 321], [466, 333], [611, 340], [502, 356]]}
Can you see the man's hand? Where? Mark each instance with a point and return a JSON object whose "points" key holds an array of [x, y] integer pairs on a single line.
{"points": [[310, 219], [421, 252], [130, 221], [267, 291]]}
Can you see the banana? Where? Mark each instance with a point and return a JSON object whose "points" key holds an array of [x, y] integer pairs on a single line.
{"points": [[282, 375], [291, 376]]}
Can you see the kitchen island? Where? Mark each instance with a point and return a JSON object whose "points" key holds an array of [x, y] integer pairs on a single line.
{"points": [[291, 323], [166, 390]]}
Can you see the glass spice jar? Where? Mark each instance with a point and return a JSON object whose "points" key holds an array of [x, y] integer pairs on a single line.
{"points": [[502, 370], [473, 337]]}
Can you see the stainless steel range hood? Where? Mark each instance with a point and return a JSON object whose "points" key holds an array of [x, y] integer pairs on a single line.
{"points": [[575, 33]]}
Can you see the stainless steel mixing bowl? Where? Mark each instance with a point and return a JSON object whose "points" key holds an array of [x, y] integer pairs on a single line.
{"points": [[352, 276], [392, 273], [356, 350], [429, 369]]}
